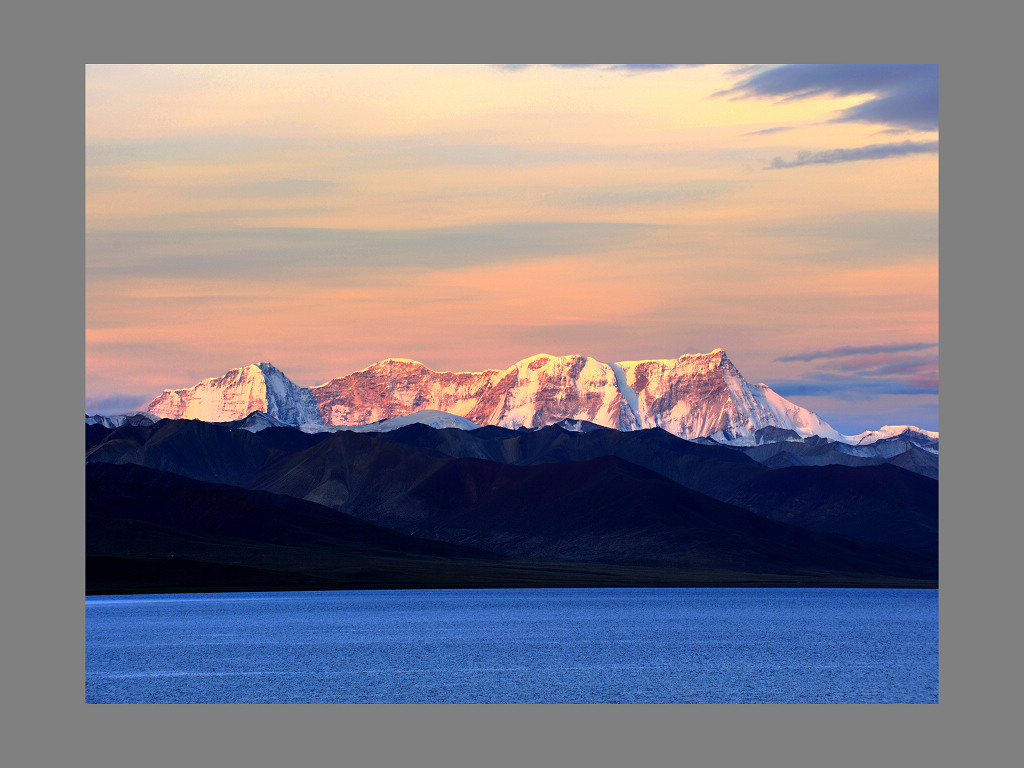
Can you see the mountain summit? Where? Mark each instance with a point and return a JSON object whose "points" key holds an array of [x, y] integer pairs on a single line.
{"points": [[697, 395], [236, 394]]}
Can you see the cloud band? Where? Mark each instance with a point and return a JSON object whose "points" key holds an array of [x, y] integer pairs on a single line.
{"points": [[873, 349], [870, 152]]}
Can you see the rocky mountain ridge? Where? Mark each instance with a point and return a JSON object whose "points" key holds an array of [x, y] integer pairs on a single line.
{"points": [[693, 396]]}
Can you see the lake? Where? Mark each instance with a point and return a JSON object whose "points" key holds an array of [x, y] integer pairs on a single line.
{"points": [[516, 646]]}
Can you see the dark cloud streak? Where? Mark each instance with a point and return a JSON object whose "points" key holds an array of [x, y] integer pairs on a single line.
{"points": [[862, 376], [872, 349], [904, 96], [852, 388], [770, 131], [870, 152], [633, 68]]}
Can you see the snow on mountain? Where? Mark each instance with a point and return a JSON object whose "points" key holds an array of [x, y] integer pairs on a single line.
{"points": [[922, 438], [135, 418], [258, 421], [704, 395], [236, 394], [432, 418], [578, 425], [548, 388], [398, 387], [695, 396]]}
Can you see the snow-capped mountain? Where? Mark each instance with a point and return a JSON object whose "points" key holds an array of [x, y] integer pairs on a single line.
{"points": [[706, 396], [700, 395], [693, 396], [922, 438], [534, 392], [236, 394], [135, 418]]}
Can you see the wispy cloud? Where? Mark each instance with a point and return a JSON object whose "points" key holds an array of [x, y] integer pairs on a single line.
{"points": [[864, 235], [629, 68], [852, 388], [870, 152], [865, 372], [647, 194], [116, 403], [309, 251], [199, 147], [921, 375], [285, 187], [872, 349], [919, 368], [894, 131], [900, 95], [770, 131], [649, 67]]}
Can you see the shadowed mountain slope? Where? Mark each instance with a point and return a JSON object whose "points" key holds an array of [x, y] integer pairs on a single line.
{"points": [[186, 508], [882, 504], [895, 451], [710, 469], [602, 510], [608, 510], [152, 531]]}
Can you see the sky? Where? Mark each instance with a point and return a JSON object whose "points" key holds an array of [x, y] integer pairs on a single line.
{"points": [[323, 218]]}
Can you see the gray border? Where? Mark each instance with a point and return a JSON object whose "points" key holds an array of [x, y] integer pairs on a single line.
{"points": [[46, 722]]}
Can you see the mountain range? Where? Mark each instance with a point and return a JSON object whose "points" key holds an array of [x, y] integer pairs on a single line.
{"points": [[177, 502], [558, 471], [693, 396]]}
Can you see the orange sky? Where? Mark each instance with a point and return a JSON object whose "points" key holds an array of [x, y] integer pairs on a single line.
{"points": [[323, 218]]}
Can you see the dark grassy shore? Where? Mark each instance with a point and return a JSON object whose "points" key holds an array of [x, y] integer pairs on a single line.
{"points": [[114, 575]]}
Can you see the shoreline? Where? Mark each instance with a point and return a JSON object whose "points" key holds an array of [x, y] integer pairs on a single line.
{"points": [[123, 576]]}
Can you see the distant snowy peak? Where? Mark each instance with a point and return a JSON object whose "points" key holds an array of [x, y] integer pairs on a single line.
{"points": [[257, 421], [236, 394], [133, 418], [922, 438], [431, 418], [578, 425]]}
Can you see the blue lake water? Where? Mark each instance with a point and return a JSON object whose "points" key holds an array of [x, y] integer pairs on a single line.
{"points": [[516, 646]]}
